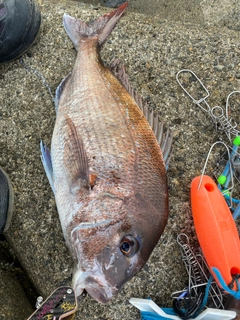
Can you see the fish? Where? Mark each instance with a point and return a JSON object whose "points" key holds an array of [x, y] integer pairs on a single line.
{"points": [[106, 166]]}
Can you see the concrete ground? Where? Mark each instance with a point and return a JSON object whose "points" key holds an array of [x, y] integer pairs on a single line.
{"points": [[155, 39]]}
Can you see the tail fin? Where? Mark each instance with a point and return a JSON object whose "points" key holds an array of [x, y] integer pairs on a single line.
{"points": [[99, 29]]}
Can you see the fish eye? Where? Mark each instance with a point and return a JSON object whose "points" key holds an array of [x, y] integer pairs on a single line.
{"points": [[129, 246]]}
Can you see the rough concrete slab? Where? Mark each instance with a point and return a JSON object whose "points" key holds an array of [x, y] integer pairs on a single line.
{"points": [[13, 299], [210, 12], [154, 49], [182, 10]]}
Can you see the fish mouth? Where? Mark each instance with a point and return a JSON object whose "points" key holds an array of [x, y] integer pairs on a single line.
{"points": [[96, 286], [98, 289]]}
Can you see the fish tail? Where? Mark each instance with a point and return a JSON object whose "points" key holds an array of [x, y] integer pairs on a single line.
{"points": [[100, 29]]}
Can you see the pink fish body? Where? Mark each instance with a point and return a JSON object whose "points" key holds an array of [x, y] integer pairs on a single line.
{"points": [[106, 168]]}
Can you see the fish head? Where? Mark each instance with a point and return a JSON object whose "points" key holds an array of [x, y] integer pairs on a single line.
{"points": [[111, 251]]}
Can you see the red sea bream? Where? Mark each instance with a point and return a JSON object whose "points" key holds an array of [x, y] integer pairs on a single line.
{"points": [[106, 166]]}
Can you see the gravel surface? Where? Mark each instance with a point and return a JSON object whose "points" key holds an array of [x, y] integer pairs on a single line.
{"points": [[154, 48]]}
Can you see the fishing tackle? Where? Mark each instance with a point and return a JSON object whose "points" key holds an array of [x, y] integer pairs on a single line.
{"points": [[221, 121], [227, 176], [188, 308], [151, 311], [39, 75], [216, 231], [235, 131], [215, 226], [61, 304], [199, 275]]}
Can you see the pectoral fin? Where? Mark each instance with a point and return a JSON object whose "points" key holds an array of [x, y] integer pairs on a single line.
{"points": [[75, 158]]}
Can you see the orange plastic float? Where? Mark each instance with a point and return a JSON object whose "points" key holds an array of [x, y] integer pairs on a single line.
{"points": [[216, 229]]}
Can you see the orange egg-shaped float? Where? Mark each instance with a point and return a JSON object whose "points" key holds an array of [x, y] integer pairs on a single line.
{"points": [[216, 229]]}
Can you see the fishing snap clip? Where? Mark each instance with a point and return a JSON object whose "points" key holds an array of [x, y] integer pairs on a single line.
{"points": [[220, 119]]}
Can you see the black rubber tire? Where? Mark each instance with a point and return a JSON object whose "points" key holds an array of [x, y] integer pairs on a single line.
{"points": [[20, 22], [6, 201]]}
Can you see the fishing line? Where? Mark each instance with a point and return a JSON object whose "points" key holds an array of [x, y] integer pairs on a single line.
{"points": [[39, 75]]}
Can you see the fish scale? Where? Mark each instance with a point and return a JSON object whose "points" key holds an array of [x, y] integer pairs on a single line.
{"points": [[106, 167], [95, 114]]}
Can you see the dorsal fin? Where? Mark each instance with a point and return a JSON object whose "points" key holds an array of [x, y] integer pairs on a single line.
{"points": [[164, 139]]}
